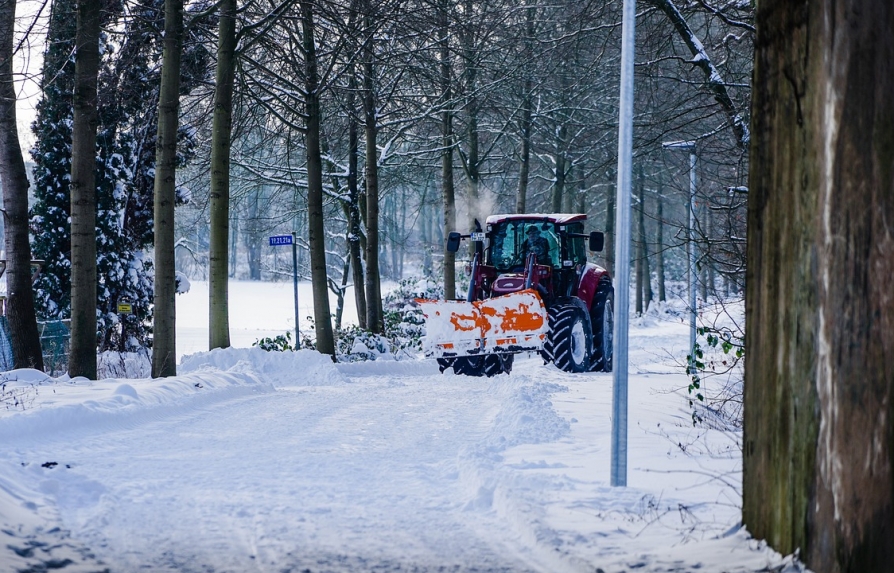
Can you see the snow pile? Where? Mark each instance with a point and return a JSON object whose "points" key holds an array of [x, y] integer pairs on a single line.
{"points": [[111, 364], [527, 417], [54, 406], [296, 368]]}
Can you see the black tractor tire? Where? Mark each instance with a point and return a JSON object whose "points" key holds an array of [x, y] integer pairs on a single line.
{"points": [[497, 364], [569, 339], [486, 365], [602, 316], [445, 363], [469, 365]]}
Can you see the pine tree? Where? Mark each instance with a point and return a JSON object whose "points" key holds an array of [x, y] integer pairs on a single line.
{"points": [[52, 166], [125, 167], [126, 162]]}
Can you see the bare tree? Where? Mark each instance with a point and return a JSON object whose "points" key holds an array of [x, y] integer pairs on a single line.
{"points": [[14, 181], [374, 318], [218, 273], [315, 214], [164, 348], [82, 359]]}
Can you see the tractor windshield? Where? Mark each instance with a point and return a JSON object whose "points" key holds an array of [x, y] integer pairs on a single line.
{"points": [[512, 240]]}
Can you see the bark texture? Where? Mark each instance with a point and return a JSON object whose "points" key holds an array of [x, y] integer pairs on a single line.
{"points": [[819, 410], [82, 357], [527, 116], [315, 232], [374, 314], [164, 342], [14, 184], [447, 184], [355, 235], [218, 272]]}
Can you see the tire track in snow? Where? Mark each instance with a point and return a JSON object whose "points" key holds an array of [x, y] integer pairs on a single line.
{"points": [[361, 476]]}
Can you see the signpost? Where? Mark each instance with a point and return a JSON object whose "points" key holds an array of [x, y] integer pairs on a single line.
{"points": [[281, 241], [124, 308]]}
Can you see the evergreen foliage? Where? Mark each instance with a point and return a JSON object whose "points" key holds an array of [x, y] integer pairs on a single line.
{"points": [[125, 166], [50, 225]]}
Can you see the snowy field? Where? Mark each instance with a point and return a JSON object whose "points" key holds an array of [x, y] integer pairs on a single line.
{"points": [[257, 310], [267, 462]]}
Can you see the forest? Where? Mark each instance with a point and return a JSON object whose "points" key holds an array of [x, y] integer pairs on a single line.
{"points": [[371, 129], [170, 139]]}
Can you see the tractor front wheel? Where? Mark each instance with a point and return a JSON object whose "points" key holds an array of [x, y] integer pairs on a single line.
{"points": [[486, 365], [603, 318], [569, 339]]}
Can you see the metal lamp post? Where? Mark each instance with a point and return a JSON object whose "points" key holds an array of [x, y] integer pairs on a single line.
{"points": [[690, 147], [622, 250]]}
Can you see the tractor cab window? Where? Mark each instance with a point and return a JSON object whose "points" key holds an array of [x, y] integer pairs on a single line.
{"points": [[511, 241], [576, 249]]}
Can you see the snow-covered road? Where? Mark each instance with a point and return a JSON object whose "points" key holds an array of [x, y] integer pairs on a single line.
{"points": [[372, 475], [284, 462]]}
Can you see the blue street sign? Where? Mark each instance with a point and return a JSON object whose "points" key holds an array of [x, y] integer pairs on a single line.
{"points": [[277, 240]]}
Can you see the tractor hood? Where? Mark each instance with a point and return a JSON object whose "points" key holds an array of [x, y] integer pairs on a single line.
{"points": [[508, 282]]}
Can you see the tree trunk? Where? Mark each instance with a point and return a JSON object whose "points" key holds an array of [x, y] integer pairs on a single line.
{"points": [[644, 280], [14, 184], [218, 273], [234, 246], [374, 313], [609, 249], [640, 247], [521, 201], [659, 239], [340, 294], [82, 356], [559, 182], [252, 235], [527, 114], [818, 471], [447, 188], [315, 231], [354, 223], [164, 344]]}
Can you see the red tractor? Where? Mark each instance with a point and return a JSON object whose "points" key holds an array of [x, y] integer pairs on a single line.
{"points": [[531, 289]]}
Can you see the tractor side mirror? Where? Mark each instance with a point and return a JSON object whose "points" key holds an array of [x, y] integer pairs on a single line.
{"points": [[453, 242], [597, 241]]}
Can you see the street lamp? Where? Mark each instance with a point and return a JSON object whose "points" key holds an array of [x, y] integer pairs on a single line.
{"points": [[690, 246], [622, 250]]}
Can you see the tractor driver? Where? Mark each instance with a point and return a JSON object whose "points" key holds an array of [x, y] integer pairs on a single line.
{"points": [[537, 244]]}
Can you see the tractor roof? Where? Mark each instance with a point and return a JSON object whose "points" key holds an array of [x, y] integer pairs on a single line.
{"points": [[557, 218]]}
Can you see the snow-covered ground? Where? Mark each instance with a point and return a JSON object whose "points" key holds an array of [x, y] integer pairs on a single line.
{"points": [[277, 462]]}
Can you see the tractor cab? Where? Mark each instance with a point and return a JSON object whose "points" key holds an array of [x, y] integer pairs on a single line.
{"points": [[546, 253]]}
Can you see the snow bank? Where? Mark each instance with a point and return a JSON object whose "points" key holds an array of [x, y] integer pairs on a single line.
{"points": [[282, 369], [39, 405], [62, 405]]}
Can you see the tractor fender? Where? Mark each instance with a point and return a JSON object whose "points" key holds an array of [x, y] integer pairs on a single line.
{"points": [[590, 279]]}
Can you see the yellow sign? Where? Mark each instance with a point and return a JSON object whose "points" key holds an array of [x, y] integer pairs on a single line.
{"points": [[124, 308]]}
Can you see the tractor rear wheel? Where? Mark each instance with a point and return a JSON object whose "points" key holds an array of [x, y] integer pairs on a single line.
{"points": [[603, 318], [569, 339]]}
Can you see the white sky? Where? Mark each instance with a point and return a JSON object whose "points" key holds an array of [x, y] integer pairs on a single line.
{"points": [[27, 64]]}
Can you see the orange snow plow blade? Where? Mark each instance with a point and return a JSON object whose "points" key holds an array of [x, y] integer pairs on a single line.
{"points": [[510, 323]]}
